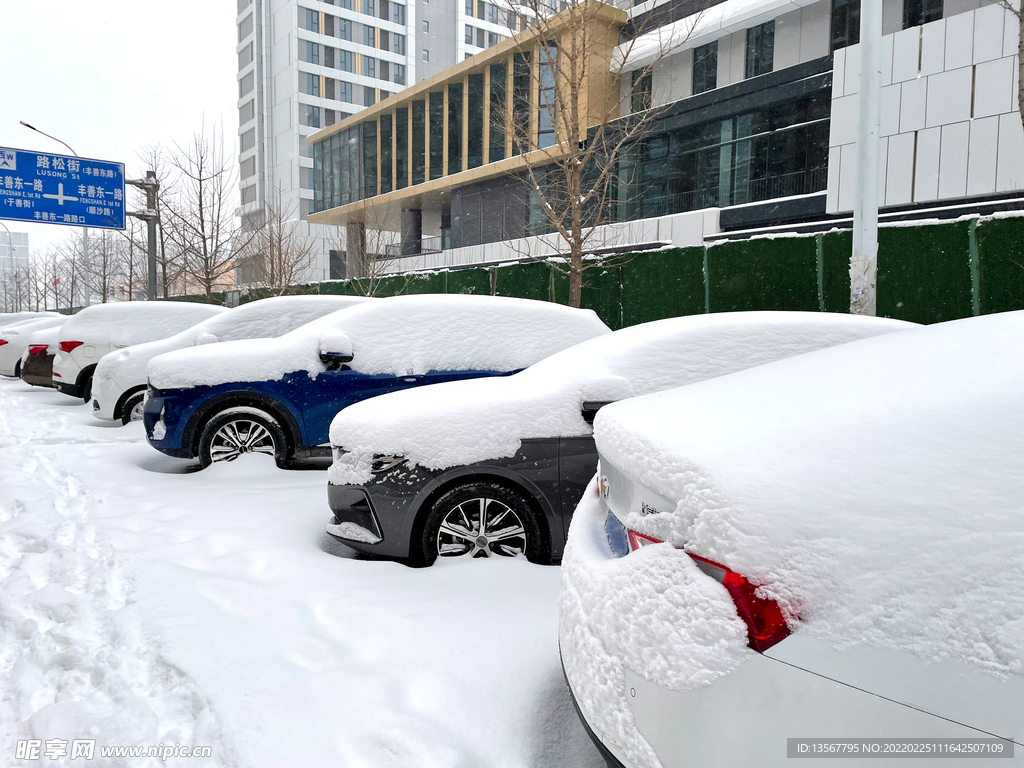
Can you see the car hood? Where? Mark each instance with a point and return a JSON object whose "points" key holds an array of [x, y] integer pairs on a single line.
{"points": [[127, 366]]}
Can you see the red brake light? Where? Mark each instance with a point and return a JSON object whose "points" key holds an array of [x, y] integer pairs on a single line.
{"points": [[766, 625], [2, 342], [68, 346], [37, 349]]}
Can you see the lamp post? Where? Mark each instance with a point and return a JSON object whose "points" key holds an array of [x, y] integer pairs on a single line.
{"points": [[85, 230], [10, 258]]}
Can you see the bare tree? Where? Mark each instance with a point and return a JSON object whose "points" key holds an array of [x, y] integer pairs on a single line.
{"points": [[572, 143], [370, 261], [200, 215], [154, 158], [278, 254], [135, 258]]}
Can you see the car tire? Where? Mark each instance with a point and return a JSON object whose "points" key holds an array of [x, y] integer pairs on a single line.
{"points": [[243, 427], [452, 527], [86, 387], [132, 408], [17, 369]]}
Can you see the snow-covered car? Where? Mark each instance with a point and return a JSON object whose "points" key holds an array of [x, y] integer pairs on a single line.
{"points": [[829, 546], [14, 341], [119, 383], [278, 396], [497, 466], [37, 360], [102, 328], [8, 318]]}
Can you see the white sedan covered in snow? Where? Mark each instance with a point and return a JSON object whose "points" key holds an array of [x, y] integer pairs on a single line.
{"points": [[830, 546], [119, 383]]}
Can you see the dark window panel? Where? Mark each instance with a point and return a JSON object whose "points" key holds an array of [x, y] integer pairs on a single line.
{"points": [[385, 153], [401, 148], [419, 146], [705, 67], [475, 108], [369, 159], [436, 135], [496, 150], [454, 128]]}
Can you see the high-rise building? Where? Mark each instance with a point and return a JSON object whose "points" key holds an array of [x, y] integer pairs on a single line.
{"points": [[13, 252], [306, 64]]}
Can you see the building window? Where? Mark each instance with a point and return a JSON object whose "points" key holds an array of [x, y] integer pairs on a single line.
{"points": [[384, 40], [398, 11], [345, 60], [329, 25], [369, 66], [246, 112], [475, 121], [479, 38], [845, 23], [344, 91], [401, 148], [385, 70], [337, 265], [496, 150], [312, 20], [642, 90], [426, 55], [345, 4], [917, 12], [330, 117], [436, 135], [312, 84], [546, 105], [520, 102], [510, 20], [454, 128], [368, 8], [400, 74], [493, 38], [248, 167], [398, 44], [419, 146], [245, 28], [481, 10], [705, 67], [330, 89], [345, 29], [312, 53], [469, 35], [426, 25], [247, 140], [369, 96], [492, 14], [246, 84], [385, 10], [312, 116], [369, 36], [385, 153], [760, 49], [249, 195], [369, 159], [469, 8], [245, 56]]}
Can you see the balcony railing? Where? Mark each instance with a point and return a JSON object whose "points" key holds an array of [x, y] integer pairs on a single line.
{"points": [[426, 245]]}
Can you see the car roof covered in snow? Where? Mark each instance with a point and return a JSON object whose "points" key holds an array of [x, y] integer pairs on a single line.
{"points": [[27, 327], [465, 421], [875, 489], [133, 322], [266, 318], [398, 335]]}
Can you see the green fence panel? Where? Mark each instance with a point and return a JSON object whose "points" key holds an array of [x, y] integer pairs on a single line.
{"points": [[601, 292], [662, 284], [924, 273], [763, 273], [836, 248], [477, 281], [1001, 264], [524, 281]]}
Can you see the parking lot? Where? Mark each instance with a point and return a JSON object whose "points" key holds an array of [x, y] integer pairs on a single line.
{"points": [[149, 603]]}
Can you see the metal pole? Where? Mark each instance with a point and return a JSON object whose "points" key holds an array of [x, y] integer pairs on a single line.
{"points": [[864, 261], [151, 191]]}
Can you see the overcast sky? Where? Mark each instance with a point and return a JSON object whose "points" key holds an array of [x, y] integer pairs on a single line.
{"points": [[111, 76]]}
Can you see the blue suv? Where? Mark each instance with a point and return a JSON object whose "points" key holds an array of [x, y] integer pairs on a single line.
{"points": [[278, 396]]}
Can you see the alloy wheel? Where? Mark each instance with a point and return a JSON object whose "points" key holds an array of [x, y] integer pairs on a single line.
{"points": [[241, 436], [481, 527], [137, 410]]}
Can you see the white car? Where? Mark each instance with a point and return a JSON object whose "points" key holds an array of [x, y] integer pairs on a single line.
{"points": [[102, 328], [14, 341], [801, 558], [119, 383], [7, 318]]}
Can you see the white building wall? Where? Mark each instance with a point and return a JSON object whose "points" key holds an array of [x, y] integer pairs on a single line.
{"points": [[949, 121]]}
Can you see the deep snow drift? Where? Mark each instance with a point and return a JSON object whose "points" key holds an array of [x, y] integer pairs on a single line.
{"points": [[140, 604]]}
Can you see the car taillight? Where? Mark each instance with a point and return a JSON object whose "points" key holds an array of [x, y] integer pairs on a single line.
{"points": [[766, 625], [37, 349], [2, 342], [68, 346]]}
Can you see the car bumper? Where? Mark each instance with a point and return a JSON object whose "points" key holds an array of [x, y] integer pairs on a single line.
{"points": [[65, 374], [162, 433], [68, 389], [105, 394]]}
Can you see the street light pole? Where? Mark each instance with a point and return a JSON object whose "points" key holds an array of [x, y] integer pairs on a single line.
{"points": [[151, 216], [85, 230], [864, 262]]}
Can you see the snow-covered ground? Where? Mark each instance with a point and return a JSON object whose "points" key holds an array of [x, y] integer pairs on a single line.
{"points": [[141, 603]]}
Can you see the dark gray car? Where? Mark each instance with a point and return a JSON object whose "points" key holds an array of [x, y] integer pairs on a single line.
{"points": [[511, 457]]}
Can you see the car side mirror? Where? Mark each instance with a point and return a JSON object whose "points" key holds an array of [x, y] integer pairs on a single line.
{"points": [[335, 358], [335, 350], [591, 407]]}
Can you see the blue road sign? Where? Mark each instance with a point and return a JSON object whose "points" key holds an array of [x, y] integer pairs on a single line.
{"points": [[57, 189]]}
